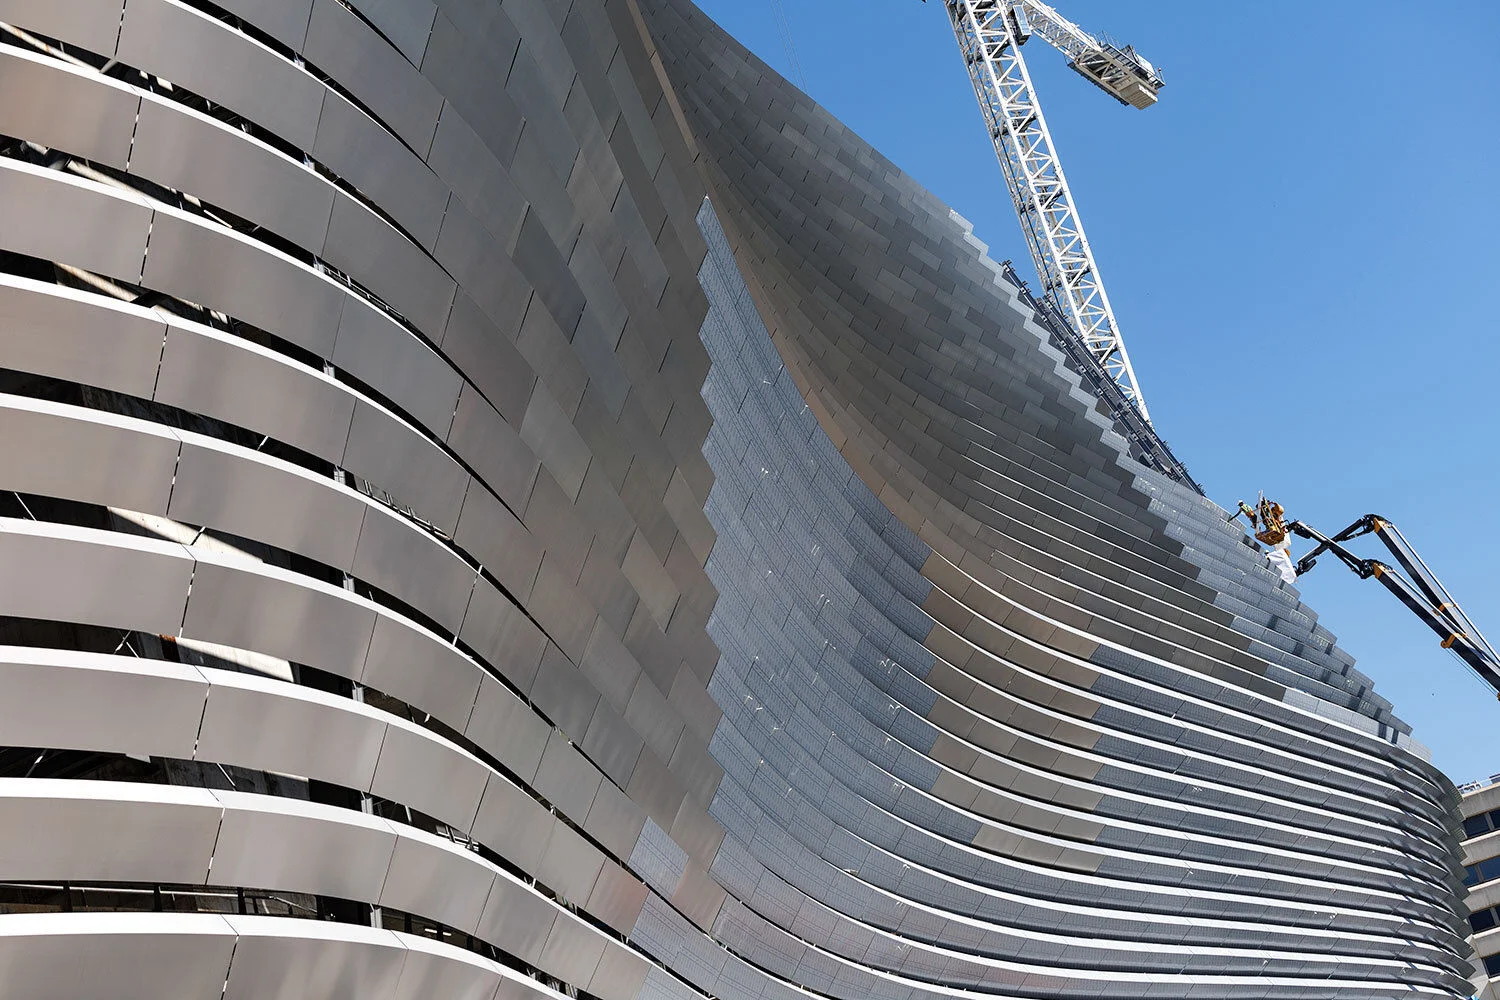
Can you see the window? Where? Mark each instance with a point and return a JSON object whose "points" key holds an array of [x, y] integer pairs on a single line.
{"points": [[1474, 826], [1482, 920], [1492, 965]]}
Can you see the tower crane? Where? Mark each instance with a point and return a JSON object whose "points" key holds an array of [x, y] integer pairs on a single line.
{"points": [[990, 34]]}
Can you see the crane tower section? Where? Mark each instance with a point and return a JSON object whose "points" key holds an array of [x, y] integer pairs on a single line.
{"points": [[990, 34]]}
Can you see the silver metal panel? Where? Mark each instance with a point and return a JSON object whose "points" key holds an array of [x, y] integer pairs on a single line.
{"points": [[513, 824], [210, 58], [433, 876], [269, 610], [517, 919], [493, 449], [71, 700], [570, 865], [507, 729], [573, 950], [297, 846], [119, 956], [216, 267], [73, 335], [410, 562], [386, 356], [410, 663], [112, 460], [501, 633], [224, 486], [615, 821], [463, 160], [345, 48], [407, 23], [620, 975], [435, 971], [76, 572], [518, 986], [206, 371], [377, 255], [358, 149], [93, 24], [112, 831], [279, 959], [549, 432], [424, 771], [392, 455], [181, 148], [567, 778], [60, 217], [283, 20], [488, 531], [272, 725], [61, 107], [488, 356], [480, 261]]}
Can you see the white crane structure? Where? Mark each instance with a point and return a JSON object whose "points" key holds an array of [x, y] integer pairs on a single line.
{"points": [[991, 33]]}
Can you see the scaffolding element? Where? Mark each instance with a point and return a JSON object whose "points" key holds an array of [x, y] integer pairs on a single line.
{"points": [[990, 34]]}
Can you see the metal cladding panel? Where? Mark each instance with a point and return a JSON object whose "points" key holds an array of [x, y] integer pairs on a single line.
{"points": [[105, 831], [345, 48], [420, 668], [381, 167], [257, 497], [283, 20], [360, 242], [379, 351], [517, 919], [437, 970], [70, 700], [129, 956], [123, 462], [76, 572], [72, 220], [287, 843], [206, 371], [190, 48], [285, 959], [392, 455], [93, 24], [222, 269], [66, 108], [62, 333], [187, 150], [429, 874], [268, 724], [252, 606], [507, 729], [429, 774], [409, 562]]}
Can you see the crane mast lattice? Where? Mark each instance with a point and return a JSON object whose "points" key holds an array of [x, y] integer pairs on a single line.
{"points": [[990, 33]]}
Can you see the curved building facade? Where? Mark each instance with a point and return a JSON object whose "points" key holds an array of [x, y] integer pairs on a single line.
{"points": [[503, 498]]}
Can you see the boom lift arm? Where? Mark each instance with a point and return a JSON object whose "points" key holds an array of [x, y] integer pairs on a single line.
{"points": [[1422, 593]]}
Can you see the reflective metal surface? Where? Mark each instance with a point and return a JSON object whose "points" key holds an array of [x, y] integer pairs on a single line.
{"points": [[824, 641], [66, 108]]}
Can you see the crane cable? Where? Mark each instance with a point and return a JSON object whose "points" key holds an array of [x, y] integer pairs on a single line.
{"points": [[784, 28]]}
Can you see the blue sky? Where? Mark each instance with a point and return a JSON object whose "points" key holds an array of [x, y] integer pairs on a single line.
{"points": [[1299, 243]]}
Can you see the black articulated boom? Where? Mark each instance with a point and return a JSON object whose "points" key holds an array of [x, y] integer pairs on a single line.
{"points": [[1419, 589], [1423, 593]]}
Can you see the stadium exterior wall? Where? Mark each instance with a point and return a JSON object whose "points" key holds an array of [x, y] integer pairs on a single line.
{"points": [[503, 497]]}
